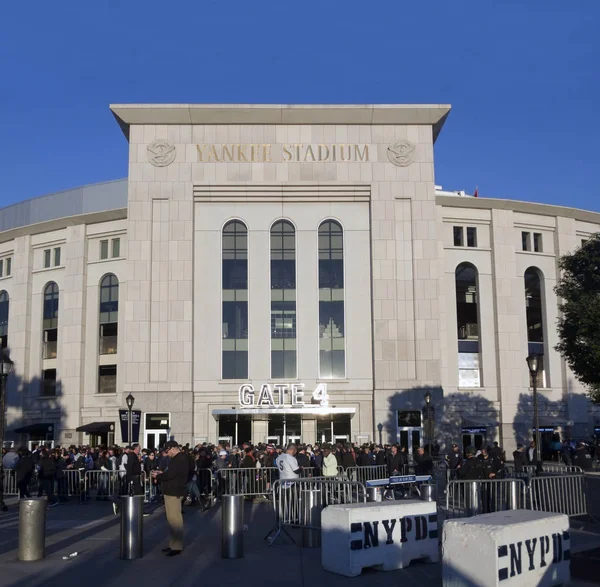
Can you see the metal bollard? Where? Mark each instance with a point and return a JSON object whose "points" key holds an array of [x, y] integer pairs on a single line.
{"points": [[513, 495], [32, 529], [473, 498], [311, 510], [374, 494], [132, 527], [232, 536], [428, 492]]}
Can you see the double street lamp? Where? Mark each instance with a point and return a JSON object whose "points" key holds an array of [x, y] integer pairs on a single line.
{"points": [[533, 363], [129, 400], [6, 367]]}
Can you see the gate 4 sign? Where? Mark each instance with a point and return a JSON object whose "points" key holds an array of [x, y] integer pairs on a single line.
{"points": [[280, 395]]}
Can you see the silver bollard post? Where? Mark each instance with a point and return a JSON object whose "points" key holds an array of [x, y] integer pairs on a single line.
{"points": [[32, 529], [132, 527], [428, 492], [232, 534], [374, 494], [473, 498], [513, 495], [311, 506]]}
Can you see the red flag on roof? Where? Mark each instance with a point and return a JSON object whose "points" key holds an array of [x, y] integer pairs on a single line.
{"points": [[476, 194]]}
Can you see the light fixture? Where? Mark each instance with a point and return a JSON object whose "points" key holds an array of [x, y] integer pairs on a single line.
{"points": [[533, 363], [428, 398], [130, 401], [6, 365]]}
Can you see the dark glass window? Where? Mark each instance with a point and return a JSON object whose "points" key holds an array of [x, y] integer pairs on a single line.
{"points": [[283, 300], [235, 300], [526, 241], [471, 236], [332, 357], [467, 322], [109, 299], [537, 242], [534, 309], [457, 232], [51, 305], [3, 319], [48, 383], [107, 379]]}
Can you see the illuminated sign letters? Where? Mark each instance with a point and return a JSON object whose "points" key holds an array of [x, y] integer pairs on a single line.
{"points": [[280, 395]]}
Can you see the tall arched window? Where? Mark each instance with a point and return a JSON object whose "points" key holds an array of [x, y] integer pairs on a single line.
{"points": [[283, 301], [332, 358], [535, 319], [235, 300], [467, 322], [50, 326], [109, 314], [3, 319]]}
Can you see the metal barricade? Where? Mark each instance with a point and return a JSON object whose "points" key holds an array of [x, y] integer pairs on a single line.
{"points": [[288, 500], [101, 484], [561, 468], [469, 498], [10, 482], [70, 483], [247, 481], [564, 494], [369, 473]]}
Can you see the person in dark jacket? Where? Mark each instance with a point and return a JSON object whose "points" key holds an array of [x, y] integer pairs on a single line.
{"points": [[583, 458], [520, 458], [424, 463], [24, 470], [471, 469], [348, 458], [396, 462], [46, 476], [133, 471], [302, 458], [173, 482], [366, 457], [379, 455]]}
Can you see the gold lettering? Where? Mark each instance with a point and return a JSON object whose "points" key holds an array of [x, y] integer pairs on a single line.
{"points": [[298, 145], [212, 152], [287, 155], [227, 152], [241, 153], [309, 150], [255, 153], [365, 153], [200, 152], [267, 153], [333, 157], [320, 150], [342, 158]]}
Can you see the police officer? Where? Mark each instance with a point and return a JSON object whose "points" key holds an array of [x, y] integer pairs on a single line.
{"points": [[455, 461], [583, 458], [472, 468]]}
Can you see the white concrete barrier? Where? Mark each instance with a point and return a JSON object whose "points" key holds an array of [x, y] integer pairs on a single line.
{"points": [[387, 536], [507, 549]]}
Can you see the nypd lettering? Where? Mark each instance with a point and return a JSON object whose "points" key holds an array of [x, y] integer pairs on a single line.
{"points": [[365, 535], [532, 554]]}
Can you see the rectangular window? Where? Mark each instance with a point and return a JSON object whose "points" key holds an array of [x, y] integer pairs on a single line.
{"points": [[8, 266], [458, 236], [116, 247], [48, 383], [537, 242], [50, 343], [108, 338], [57, 256], [1, 267], [526, 241], [47, 257], [104, 249], [471, 236], [107, 379]]}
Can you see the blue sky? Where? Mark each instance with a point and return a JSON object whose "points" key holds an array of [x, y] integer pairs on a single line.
{"points": [[523, 77]]}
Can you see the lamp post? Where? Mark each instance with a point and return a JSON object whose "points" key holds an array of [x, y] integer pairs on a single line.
{"points": [[428, 409], [130, 401], [6, 367], [533, 363]]}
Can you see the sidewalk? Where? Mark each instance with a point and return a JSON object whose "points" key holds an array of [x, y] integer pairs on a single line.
{"points": [[93, 532]]}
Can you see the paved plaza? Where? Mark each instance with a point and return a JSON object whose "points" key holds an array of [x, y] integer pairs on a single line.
{"points": [[92, 531]]}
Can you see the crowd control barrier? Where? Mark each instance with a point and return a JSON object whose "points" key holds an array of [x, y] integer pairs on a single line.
{"points": [[247, 481], [289, 495], [102, 484], [10, 482], [528, 471], [369, 473], [563, 494], [470, 498]]}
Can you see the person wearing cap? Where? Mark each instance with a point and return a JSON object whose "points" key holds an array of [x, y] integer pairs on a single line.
{"points": [[472, 469], [302, 458], [172, 483], [455, 459], [288, 465]]}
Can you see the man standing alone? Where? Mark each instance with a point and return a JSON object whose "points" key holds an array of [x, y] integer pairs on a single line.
{"points": [[172, 483]]}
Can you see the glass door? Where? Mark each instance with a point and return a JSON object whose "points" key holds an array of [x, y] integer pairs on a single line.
{"points": [[155, 439], [273, 440], [411, 439]]}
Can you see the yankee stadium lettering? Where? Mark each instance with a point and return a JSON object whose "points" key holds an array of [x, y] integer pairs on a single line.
{"points": [[533, 553], [281, 395], [394, 530]]}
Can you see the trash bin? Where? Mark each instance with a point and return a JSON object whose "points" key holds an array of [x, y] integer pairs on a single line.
{"points": [[375, 494], [32, 529], [132, 527], [428, 492], [232, 533], [311, 518]]}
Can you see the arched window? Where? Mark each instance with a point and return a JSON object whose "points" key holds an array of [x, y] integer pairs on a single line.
{"points": [[535, 319], [3, 319], [50, 324], [109, 314], [235, 300], [467, 322], [283, 300], [332, 358]]}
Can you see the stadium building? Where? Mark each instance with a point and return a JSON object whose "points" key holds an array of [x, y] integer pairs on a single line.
{"points": [[284, 272]]}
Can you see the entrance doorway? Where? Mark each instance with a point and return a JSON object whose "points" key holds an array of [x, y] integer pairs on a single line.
{"points": [[237, 427], [156, 430], [411, 439], [333, 429], [473, 437], [287, 427]]}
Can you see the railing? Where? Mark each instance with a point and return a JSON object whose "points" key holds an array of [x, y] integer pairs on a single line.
{"points": [[247, 481], [528, 471], [10, 482], [470, 498], [102, 484], [369, 473], [563, 494]]}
